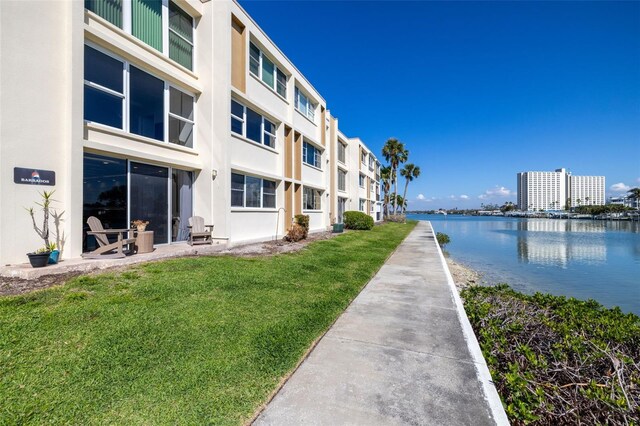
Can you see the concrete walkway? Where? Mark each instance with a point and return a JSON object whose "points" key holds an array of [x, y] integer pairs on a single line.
{"points": [[402, 353]]}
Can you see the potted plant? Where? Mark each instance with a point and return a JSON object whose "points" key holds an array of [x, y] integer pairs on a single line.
{"points": [[36, 257], [39, 258], [55, 253], [141, 225]]}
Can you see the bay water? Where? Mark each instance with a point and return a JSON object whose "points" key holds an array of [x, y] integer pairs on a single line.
{"points": [[585, 259]]}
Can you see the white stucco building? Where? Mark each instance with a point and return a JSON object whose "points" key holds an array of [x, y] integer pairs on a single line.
{"points": [[160, 111], [558, 190]]}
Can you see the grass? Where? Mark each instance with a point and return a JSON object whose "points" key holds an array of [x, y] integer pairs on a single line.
{"points": [[186, 341]]}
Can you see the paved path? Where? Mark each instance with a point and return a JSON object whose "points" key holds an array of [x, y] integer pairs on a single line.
{"points": [[400, 354]]}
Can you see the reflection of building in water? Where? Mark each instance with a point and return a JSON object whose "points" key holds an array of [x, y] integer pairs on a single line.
{"points": [[556, 242], [555, 225]]}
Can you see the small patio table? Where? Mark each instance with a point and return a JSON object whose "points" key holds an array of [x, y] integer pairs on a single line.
{"points": [[144, 242]]}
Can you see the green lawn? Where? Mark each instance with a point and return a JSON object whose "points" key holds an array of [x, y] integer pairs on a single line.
{"points": [[186, 341]]}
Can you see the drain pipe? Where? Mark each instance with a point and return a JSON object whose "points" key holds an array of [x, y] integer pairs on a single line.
{"points": [[275, 238]]}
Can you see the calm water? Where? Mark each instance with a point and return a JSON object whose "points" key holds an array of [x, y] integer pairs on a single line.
{"points": [[584, 259]]}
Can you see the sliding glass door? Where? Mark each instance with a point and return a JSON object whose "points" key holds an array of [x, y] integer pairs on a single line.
{"points": [[149, 198], [181, 204], [118, 191], [104, 195]]}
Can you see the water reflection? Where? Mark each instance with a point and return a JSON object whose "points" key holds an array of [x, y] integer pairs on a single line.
{"points": [[579, 258], [558, 242]]}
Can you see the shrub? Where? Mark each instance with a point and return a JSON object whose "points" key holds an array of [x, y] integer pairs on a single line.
{"points": [[397, 218], [443, 239], [303, 220], [295, 233], [556, 360], [357, 220]]}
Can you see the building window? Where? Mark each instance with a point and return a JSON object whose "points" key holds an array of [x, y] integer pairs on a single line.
{"points": [[362, 202], [303, 104], [370, 162], [361, 180], [149, 103], [180, 36], [311, 198], [248, 123], [342, 149], [181, 118], [264, 68], [103, 88], [150, 22], [250, 191], [363, 156], [146, 104], [342, 179], [311, 155]]}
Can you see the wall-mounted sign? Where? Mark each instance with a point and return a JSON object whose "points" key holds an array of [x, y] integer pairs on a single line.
{"points": [[34, 176]]}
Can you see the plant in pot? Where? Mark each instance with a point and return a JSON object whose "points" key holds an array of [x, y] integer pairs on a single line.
{"points": [[55, 253], [141, 225], [40, 257]]}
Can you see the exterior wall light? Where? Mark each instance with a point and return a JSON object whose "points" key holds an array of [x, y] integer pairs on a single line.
{"points": [[214, 174]]}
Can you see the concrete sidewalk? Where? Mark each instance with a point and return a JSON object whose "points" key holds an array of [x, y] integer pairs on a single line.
{"points": [[402, 353]]}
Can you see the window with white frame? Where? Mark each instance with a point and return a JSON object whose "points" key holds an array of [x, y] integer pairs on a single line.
{"points": [[251, 125], [303, 104], [342, 156], [342, 180], [362, 204], [123, 96], [361, 180], [253, 192], [181, 118], [311, 155], [311, 198], [363, 156], [152, 22], [264, 68], [371, 162]]}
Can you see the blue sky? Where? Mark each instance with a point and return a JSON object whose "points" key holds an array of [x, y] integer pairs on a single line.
{"points": [[477, 91]]}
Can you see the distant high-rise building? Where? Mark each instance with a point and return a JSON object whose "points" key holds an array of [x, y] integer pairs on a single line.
{"points": [[558, 190]]}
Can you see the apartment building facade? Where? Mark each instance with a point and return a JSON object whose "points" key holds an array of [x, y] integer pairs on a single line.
{"points": [[558, 190], [160, 111]]}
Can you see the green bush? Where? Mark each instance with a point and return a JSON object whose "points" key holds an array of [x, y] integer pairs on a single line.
{"points": [[443, 239], [357, 220], [556, 360]]}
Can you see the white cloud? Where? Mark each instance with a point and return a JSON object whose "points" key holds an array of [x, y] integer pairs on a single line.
{"points": [[620, 187], [464, 197], [496, 192], [420, 197], [452, 197]]}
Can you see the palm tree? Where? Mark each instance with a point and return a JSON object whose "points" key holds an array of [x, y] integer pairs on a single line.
{"points": [[395, 153], [586, 200], [385, 177], [401, 202], [410, 172]]}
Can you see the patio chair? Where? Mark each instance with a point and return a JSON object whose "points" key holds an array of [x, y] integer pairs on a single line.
{"points": [[200, 233], [107, 249]]}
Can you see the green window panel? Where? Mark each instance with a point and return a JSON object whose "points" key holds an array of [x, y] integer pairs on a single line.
{"points": [[147, 22], [180, 51], [180, 36], [111, 10]]}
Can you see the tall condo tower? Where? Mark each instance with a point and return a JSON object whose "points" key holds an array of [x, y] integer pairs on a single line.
{"points": [[558, 190]]}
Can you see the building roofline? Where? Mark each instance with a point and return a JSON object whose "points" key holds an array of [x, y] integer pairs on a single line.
{"points": [[280, 51]]}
